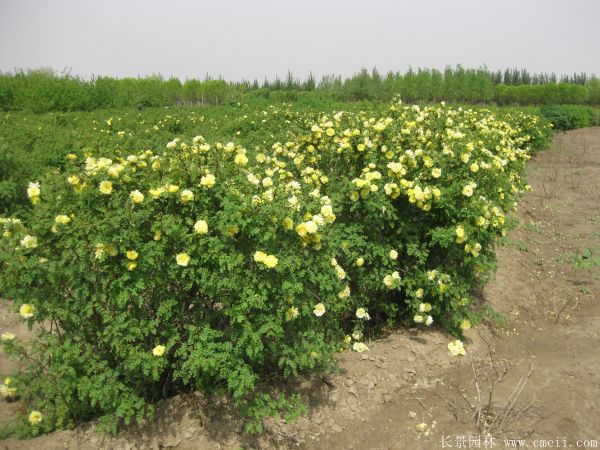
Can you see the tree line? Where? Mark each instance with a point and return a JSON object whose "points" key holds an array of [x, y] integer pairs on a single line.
{"points": [[44, 90]]}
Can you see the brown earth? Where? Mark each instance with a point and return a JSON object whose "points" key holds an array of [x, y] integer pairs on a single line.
{"points": [[536, 376]]}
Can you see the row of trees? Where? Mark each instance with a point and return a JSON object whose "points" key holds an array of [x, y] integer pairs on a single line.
{"points": [[44, 90]]}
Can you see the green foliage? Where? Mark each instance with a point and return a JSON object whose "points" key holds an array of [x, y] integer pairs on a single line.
{"points": [[43, 90], [172, 251], [568, 117], [542, 94], [586, 260]]}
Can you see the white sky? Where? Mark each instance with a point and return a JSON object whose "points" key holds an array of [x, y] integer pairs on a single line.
{"points": [[239, 39]]}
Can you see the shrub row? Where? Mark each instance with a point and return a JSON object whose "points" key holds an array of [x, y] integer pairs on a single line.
{"points": [[209, 265]]}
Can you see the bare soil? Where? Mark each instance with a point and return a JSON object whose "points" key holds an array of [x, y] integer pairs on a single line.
{"points": [[534, 376]]}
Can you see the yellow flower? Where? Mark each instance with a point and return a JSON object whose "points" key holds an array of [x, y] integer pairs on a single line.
{"points": [[259, 256], [465, 324], [436, 172], [267, 182], [424, 307], [62, 219], [132, 255], [319, 309], [311, 227], [241, 159], [456, 348], [106, 187], [360, 262], [330, 132], [291, 313], [29, 242], [393, 254], [35, 417], [187, 196], [288, 223], [419, 293], [341, 273], [159, 350], [344, 293], [201, 227], [362, 313], [270, 261], [155, 193], [26, 311], [208, 180], [420, 427], [467, 190], [131, 265], [8, 336], [33, 192], [360, 347], [136, 196], [182, 259], [460, 234], [71, 156], [172, 188], [392, 281]]}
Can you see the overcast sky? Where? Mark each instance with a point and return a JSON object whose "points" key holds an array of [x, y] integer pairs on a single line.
{"points": [[247, 39]]}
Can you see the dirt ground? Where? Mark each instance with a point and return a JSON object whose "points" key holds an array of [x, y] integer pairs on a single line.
{"points": [[535, 377]]}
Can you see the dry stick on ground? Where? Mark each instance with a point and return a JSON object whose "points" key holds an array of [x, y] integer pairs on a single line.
{"points": [[425, 407], [475, 378], [513, 398]]}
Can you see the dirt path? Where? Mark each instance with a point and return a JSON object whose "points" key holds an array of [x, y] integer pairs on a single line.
{"points": [[543, 363]]}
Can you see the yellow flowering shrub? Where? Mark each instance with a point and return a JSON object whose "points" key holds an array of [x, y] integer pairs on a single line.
{"points": [[208, 264]]}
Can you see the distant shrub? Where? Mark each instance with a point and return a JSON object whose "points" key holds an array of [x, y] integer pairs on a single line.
{"points": [[568, 117]]}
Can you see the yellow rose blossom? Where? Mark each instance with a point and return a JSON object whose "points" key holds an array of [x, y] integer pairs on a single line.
{"points": [[208, 180], [29, 242], [424, 307], [270, 261], [360, 262], [106, 187], [291, 313], [132, 255], [182, 259], [288, 223], [319, 309], [159, 350], [241, 159], [201, 227], [26, 311], [186, 196], [33, 192], [8, 336], [360, 347], [35, 417], [456, 348], [136, 196], [62, 219]]}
